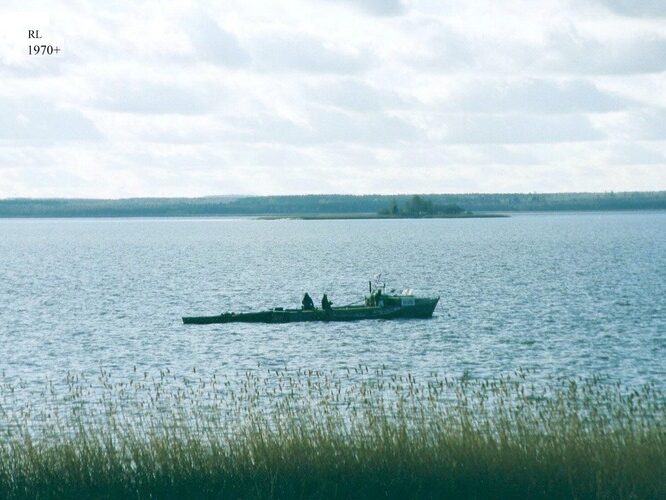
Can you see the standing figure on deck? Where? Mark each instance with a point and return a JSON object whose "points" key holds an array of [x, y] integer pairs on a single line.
{"points": [[308, 305], [325, 303]]}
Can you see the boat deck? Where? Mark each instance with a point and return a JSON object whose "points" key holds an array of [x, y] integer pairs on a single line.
{"points": [[417, 308]]}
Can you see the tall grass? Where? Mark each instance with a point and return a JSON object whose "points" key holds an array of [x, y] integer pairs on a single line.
{"points": [[346, 434]]}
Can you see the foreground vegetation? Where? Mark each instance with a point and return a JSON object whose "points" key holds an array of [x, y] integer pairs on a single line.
{"points": [[349, 434]]}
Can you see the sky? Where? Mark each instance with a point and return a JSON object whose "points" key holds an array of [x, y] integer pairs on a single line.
{"points": [[188, 98]]}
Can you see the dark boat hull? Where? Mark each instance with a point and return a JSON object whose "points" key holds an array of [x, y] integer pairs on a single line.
{"points": [[421, 308]]}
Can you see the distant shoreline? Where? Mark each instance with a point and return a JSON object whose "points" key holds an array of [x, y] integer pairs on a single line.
{"points": [[321, 207], [343, 216], [363, 216]]}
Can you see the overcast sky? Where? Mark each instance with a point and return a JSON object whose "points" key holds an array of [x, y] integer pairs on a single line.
{"points": [[320, 96]]}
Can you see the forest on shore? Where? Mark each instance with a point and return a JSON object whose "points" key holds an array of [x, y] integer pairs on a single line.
{"points": [[326, 204]]}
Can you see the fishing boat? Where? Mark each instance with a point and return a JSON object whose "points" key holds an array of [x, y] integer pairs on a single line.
{"points": [[377, 305]]}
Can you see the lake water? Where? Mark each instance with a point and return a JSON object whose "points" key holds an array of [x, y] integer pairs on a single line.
{"points": [[559, 294]]}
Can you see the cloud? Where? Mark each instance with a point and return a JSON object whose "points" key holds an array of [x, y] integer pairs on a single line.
{"points": [[636, 125], [138, 96], [214, 44], [378, 7], [369, 128], [576, 53], [304, 53], [530, 95], [355, 95], [443, 51], [437, 155], [324, 126], [32, 120], [640, 8], [28, 70], [652, 124], [178, 129], [632, 153], [514, 128], [564, 48]]}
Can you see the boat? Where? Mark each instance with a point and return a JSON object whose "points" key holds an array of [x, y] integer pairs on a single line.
{"points": [[377, 305]]}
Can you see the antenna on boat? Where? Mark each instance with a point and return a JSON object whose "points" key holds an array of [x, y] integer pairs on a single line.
{"points": [[377, 278]]}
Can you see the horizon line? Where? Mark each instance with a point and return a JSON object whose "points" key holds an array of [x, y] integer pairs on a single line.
{"points": [[327, 194]]}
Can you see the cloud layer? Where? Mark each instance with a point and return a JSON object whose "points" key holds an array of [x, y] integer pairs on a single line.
{"points": [[320, 96]]}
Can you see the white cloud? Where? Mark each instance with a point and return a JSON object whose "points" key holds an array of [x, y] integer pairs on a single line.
{"points": [[355, 95], [641, 8], [212, 43], [323, 126], [323, 96], [575, 53], [153, 98], [531, 95], [307, 53], [378, 7], [635, 125], [36, 121], [515, 128]]}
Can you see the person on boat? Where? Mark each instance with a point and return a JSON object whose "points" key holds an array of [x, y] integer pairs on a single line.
{"points": [[308, 304], [325, 303], [379, 300]]}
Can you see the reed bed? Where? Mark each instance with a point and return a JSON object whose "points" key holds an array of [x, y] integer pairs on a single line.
{"points": [[354, 433]]}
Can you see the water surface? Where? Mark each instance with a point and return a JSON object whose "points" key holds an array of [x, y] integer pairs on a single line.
{"points": [[560, 294]]}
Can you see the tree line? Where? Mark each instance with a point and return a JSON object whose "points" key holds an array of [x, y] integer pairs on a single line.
{"points": [[330, 204], [419, 206]]}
